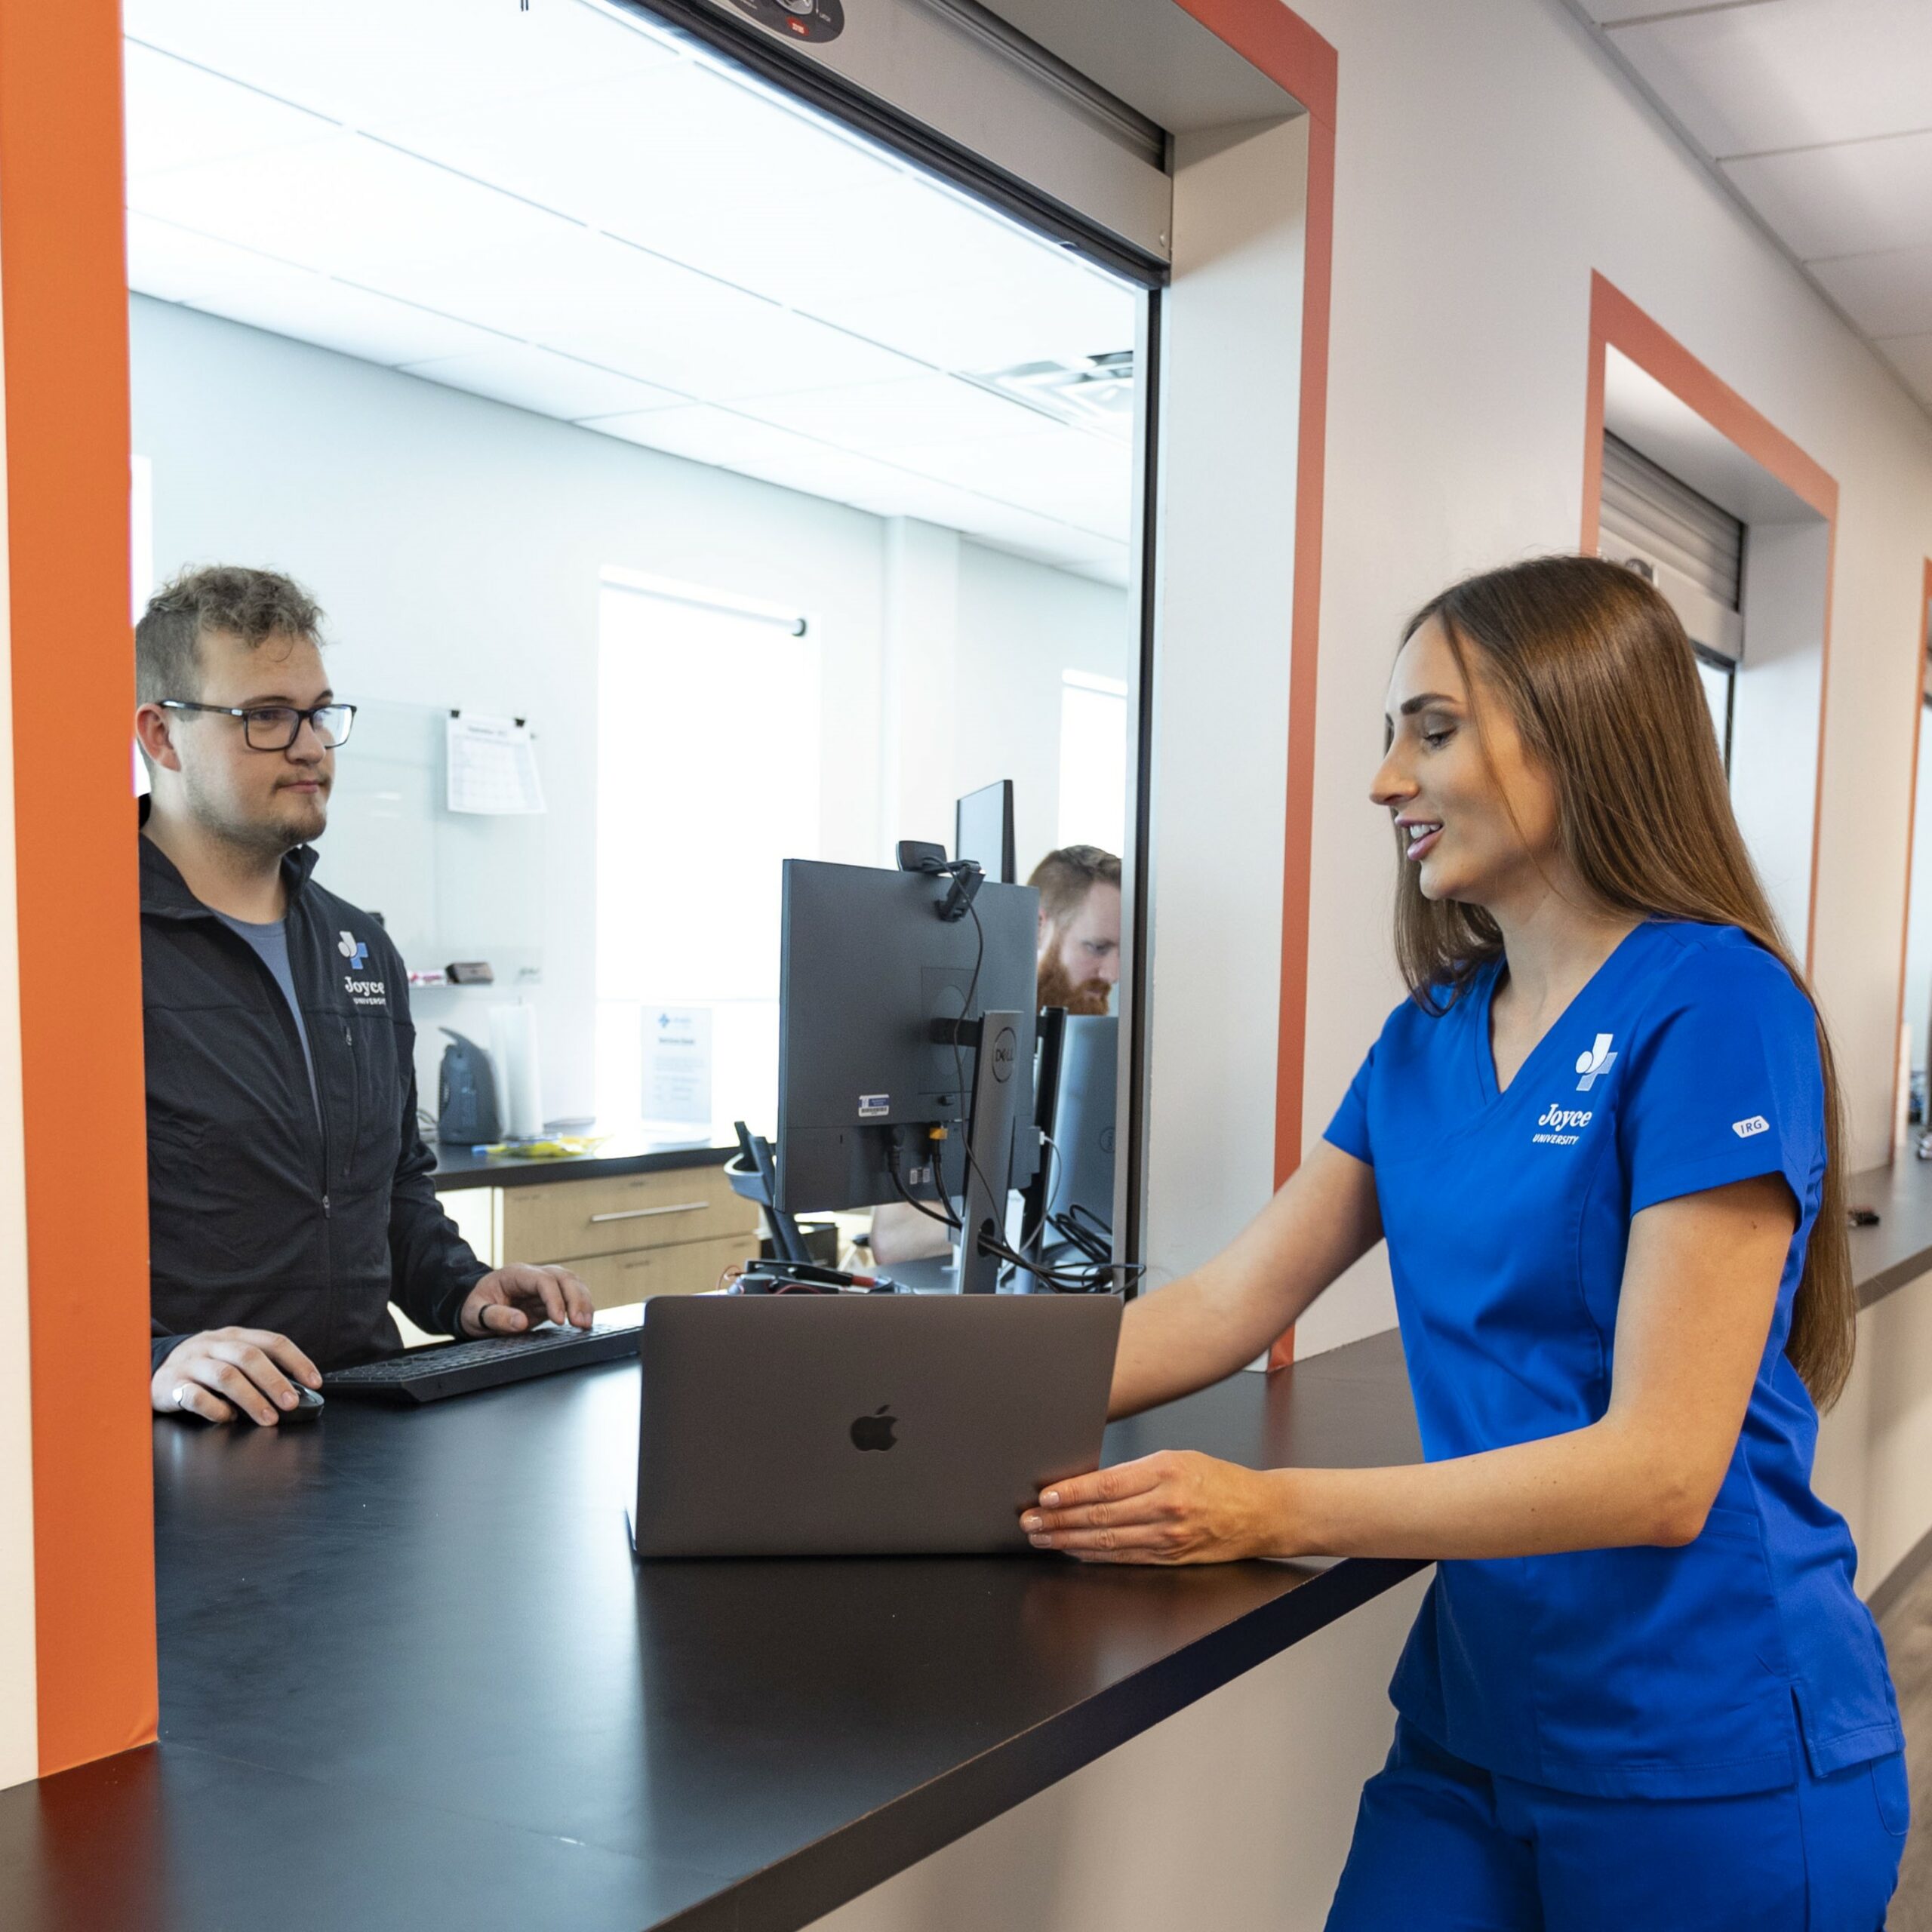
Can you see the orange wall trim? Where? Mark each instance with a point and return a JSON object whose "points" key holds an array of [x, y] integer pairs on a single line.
{"points": [[1617, 322], [1291, 53], [66, 321]]}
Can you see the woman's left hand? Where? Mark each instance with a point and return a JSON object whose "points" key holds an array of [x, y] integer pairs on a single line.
{"points": [[1173, 1507]]}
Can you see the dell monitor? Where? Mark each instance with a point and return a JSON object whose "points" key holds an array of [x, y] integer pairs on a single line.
{"points": [[983, 829], [885, 1076]]}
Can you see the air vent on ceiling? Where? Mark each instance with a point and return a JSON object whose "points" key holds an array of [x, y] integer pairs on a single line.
{"points": [[1091, 392]]}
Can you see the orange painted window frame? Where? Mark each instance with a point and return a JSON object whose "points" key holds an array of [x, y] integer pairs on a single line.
{"points": [[1617, 322], [63, 309], [64, 325]]}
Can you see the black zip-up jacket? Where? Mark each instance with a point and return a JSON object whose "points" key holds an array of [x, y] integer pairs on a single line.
{"points": [[259, 1214]]}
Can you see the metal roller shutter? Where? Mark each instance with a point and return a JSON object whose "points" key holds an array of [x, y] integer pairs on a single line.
{"points": [[1691, 550]]}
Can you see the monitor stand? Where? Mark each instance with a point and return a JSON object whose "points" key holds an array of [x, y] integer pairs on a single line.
{"points": [[995, 1037]]}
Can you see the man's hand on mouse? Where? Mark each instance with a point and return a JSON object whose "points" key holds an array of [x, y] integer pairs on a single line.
{"points": [[223, 1371], [509, 1300]]}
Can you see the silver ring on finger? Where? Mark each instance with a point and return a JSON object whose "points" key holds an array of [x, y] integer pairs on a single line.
{"points": [[180, 1395]]}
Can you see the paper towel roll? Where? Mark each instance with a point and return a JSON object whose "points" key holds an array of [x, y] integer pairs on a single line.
{"points": [[513, 1047]]}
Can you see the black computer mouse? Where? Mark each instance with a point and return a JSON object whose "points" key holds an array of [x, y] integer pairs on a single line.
{"points": [[308, 1404]]}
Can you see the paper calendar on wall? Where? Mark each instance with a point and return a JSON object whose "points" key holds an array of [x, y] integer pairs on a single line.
{"points": [[492, 765]]}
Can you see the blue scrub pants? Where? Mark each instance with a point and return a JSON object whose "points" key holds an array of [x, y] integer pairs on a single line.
{"points": [[1440, 1844]]}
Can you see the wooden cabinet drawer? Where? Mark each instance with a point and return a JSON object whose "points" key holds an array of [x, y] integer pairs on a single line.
{"points": [[564, 1221], [689, 1268]]}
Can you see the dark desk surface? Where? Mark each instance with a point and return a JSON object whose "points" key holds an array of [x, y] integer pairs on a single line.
{"points": [[618, 1154], [411, 1677], [1899, 1249]]}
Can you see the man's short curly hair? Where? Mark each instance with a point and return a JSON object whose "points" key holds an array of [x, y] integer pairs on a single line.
{"points": [[1064, 878], [253, 605]]}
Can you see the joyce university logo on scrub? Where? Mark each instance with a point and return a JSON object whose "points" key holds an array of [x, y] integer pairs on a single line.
{"points": [[363, 992], [1562, 1127], [1594, 1064]]}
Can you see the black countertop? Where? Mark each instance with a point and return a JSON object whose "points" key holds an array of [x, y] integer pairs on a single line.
{"points": [[618, 1154], [1899, 1249], [411, 1676]]}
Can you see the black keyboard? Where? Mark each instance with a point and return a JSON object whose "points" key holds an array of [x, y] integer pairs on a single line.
{"points": [[428, 1373]]}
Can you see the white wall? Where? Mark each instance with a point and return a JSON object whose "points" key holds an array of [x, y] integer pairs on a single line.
{"points": [[457, 545], [1774, 740], [1231, 358], [1875, 1449]]}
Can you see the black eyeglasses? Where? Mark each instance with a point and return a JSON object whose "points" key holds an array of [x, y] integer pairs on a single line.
{"points": [[274, 727]]}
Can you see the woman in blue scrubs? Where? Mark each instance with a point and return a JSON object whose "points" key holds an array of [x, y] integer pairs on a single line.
{"points": [[1601, 1140]]}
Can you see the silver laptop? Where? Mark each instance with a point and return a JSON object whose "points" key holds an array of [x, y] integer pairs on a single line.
{"points": [[863, 1425]]}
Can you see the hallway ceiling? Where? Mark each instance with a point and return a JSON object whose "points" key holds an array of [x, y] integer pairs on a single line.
{"points": [[1818, 115], [562, 210]]}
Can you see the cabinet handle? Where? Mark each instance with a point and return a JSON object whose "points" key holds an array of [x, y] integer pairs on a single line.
{"points": [[645, 1213]]}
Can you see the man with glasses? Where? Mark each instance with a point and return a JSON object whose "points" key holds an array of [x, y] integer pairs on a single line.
{"points": [[289, 1195]]}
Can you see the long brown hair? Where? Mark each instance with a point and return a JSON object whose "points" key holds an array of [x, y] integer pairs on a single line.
{"points": [[1602, 685]]}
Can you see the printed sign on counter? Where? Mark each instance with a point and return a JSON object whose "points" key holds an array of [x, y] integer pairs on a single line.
{"points": [[677, 1064]]}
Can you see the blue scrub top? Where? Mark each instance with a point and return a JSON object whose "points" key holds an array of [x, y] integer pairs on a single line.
{"points": [[1690, 1060]]}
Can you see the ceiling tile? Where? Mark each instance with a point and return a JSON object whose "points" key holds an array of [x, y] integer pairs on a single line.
{"points": [[726, 346], [178, 115], [888, 416], [539, 380], [1843, 200], [692, 166], [1793, 74], [1911, 355], [178, 265], [731, 442], [996, 321], [682, 161], [353, 207], [1085, 480], [372, 61], [1884, 295]]}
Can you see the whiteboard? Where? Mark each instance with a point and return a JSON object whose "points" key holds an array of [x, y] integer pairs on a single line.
{"points": [[448, 885]]}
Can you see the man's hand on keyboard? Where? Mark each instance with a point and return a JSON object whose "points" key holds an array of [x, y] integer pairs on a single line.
{"points": [[213, 1374], [514, 1299]]}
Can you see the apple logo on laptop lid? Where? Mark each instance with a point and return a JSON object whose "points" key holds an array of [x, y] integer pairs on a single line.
{"points": [[874, 1431]]}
